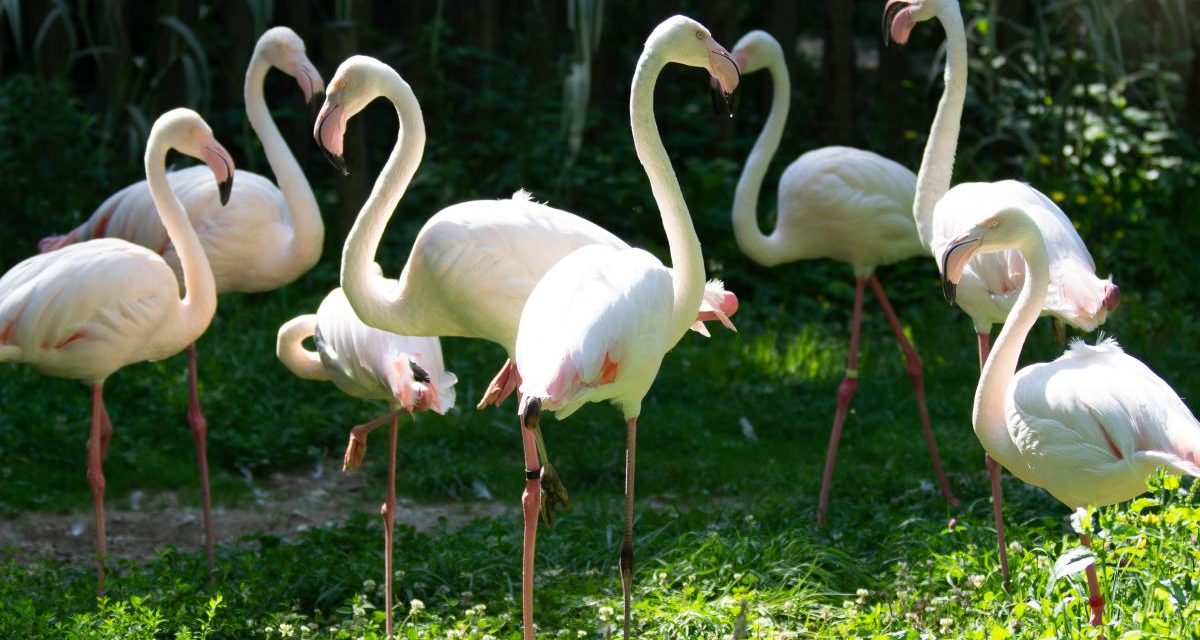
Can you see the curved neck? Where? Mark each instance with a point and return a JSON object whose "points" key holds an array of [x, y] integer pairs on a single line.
{"points": [[308, 231], [991, 425], [289, 348], [745, 199], [687, 263], [375, 298], [937, 164], [200, 291]]}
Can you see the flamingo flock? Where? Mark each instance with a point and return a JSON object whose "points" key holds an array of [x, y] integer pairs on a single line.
{"points": [[583, 316]]}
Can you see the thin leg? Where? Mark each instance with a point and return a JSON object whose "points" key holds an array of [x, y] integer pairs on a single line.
{"points": [[95, 475], [105, 431], [1060, 330], [984, 340], [917, 378], [501, 386], [993, 468], [357, 447], [199, 431], [388, 511], [844, 394], [1095, 600], [530, 505], [627, 544]]}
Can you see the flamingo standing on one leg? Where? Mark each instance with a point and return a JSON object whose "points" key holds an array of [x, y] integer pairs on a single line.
{"points": [[597, 325], [990, 282], [368, 363], [1089, 427], [850, 205], [267, 237], [87, 310], [473, 264]]}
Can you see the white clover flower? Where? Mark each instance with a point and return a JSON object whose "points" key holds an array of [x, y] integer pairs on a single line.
{"points": [[606, 613], [286, 630], [416, 606], [945, 623], [368, 585], [975, 580]]}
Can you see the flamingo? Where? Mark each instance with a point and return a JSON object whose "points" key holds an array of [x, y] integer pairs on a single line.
{"points": [[990, 282], [1089, 427], [267, 237], [473, 264], [597, 325], [90, 308], [847, 204], [364, 362]]}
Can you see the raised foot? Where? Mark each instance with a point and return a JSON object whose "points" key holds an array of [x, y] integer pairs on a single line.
{"points": [[554, 495], [356, 449]]}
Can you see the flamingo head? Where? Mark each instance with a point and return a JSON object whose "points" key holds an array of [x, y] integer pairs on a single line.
{"points": [[756, 50], [354, 85], [900, 16], [1009, 228], [284, 50], [417, 389], [717, 304], [683, 40], [190, 135]]}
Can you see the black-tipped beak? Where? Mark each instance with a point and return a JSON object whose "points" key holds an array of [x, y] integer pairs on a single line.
{"points": [[950, 289], [315, 103], [419, 374], [225, 189], [724, 104], [338, 162]]}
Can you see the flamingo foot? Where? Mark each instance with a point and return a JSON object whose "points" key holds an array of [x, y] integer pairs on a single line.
{"points": [[554, 495], [356, 449], [501, 386]]}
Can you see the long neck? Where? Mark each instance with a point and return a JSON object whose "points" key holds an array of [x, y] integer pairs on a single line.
{"points": [[308, 231], [199, 302], [289, 348], [937, 165], [1001, 366], [687, 263], [376, 299], [745, 200]]}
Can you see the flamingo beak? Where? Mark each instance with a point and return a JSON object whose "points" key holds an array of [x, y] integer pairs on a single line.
{"points": [[726, 78], [1112, 297], [954, 261], [221, 164], [329, 132], [897, 21], [308, 78]]}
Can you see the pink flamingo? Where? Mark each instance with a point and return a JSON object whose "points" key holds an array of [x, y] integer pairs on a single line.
{"points": [[88, 309], [267, 237], [473, 264], [597, 325], [850, 205], [990, 282], [364, 362], [1089, 427]]}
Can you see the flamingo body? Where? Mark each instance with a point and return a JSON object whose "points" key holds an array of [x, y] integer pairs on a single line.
{"points": [[1094, 424]]}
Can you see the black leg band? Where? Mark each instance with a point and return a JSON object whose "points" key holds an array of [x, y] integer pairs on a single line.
{"points": [[535, 474]]}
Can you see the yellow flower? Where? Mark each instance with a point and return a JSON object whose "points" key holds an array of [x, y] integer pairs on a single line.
{"points": [[1058, 196], [1081, 199], [910, 135], [1043, 159]]}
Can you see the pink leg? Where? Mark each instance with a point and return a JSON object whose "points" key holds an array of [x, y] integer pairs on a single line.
{"points": [[627, 544], [993, 468], [917, 378], [388, 511], [1095, 600], [105, 431], [357, 447], [95, 475], [199, 431], [531, 504], [501, 386], [844, 394], [984, 347]]}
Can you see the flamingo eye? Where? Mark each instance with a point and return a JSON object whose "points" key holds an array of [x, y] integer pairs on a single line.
{"points": [[699, 35]]}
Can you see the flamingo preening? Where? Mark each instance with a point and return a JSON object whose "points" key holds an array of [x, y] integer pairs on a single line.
{"points": [[1089, 427], [847, 204], [364, 362], [597, 325], [86, 310], [990, 283], [265, 238]]}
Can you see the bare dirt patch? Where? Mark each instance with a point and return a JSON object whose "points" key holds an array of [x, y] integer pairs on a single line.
{"points": [[282, 504]]}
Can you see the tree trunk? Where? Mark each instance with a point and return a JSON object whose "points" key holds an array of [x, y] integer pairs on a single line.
{"points": [[839, 71]]}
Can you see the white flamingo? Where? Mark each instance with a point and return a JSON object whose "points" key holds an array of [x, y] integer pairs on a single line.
{"points": [[473, 264], [1089, 427], [88, 309], [267, 237], [990, 282], [847, 204], [364, 362], [597, 325]]}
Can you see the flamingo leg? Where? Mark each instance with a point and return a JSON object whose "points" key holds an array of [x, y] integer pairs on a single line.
{"points": [[105, 431], [844, 394], [554, 494], [1095, 600], [984, 340], [501, 386], [199, 433], [357, 447], [95, 475], [627, 543], [530, 505], [993, 468], [917, 377], [388, 511]]}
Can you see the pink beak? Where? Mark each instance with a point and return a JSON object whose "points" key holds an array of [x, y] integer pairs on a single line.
{"points": [[900, 22], [221, 165], [329, 132]]}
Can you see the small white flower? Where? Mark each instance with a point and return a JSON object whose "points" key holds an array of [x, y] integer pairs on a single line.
{"points": [[368, 585], [975, 580], [416, 606], [606, 613], [945, 623]]}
